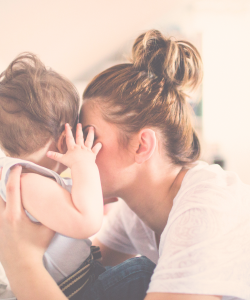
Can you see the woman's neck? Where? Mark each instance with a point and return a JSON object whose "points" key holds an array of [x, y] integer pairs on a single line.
{"points": [[151, 196]]}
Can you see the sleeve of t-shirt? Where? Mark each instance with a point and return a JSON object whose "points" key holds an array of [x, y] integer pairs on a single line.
{"points": [[205, 249], [113, 232]]}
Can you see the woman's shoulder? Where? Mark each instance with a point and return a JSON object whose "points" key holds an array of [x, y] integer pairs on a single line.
{"points": [[201, 172], [210, 196], [206, 180], [206, 235]]}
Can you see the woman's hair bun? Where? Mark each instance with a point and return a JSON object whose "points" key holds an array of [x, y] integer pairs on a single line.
{"points": [[178, 62]]}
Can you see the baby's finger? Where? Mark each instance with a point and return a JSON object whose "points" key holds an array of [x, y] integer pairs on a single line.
{"points": [[90, 138], [1, 173], [110, 200], [69, 137], [13, 194], [79, 135], [2, 205], [55, 156], [96, 148]]}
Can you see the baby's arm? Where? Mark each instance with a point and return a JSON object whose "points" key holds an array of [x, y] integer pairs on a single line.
{"points": [[80, 213]]}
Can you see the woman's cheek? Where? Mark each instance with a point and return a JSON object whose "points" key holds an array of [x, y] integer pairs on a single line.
{"points": [[100, 161]]}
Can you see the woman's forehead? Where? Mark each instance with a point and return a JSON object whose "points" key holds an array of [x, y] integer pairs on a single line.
{"points": [[91, 116], [89, 113]]}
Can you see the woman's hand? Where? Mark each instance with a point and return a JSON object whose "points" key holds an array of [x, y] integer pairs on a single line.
{"points": [[21, 240], [79, 152]]}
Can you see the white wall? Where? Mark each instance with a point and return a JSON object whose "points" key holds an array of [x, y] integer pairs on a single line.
{"points": [[2, 67], [72, 36], [226, 93], [224, 26], [1, 153]]}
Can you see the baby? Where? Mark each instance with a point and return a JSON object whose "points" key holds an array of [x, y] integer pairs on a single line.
{"points": [[38, 109]]}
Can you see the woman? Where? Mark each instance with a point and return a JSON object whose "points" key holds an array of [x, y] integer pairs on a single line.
{"points": [[192, 219]]}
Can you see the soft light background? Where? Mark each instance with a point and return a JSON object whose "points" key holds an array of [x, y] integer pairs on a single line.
{"points": [[80, 38]]}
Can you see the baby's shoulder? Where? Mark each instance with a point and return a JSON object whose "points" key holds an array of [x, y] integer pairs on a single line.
{"points": [[36, 182]]}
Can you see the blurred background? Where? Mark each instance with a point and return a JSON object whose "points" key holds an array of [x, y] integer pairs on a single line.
{"points": [[81, 38]]}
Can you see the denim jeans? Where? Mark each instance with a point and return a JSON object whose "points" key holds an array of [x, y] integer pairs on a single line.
{"points": [[126, 281]]}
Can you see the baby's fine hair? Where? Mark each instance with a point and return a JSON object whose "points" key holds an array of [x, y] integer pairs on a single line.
{"points": [[35, 104]]}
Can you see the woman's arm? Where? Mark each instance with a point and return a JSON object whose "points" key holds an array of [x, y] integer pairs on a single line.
{"points": [[111, 257], [79, 214], [169, 296], [22, 245], [31, 281]]}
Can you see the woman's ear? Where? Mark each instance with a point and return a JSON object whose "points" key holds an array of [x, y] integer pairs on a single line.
{"points": [[61, 143], [147, 144]]}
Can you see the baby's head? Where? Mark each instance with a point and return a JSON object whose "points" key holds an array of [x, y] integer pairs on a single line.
{"points": [[35, 104]]}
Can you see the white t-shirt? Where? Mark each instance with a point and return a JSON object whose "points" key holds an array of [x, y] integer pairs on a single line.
{"points": [[205, 246]]}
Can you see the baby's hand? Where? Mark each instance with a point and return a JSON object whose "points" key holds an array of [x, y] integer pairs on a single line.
{"points": [[79, 151]]}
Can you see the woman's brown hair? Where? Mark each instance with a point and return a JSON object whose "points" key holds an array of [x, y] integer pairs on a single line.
{"points": [[150, 92], [35, 103]]}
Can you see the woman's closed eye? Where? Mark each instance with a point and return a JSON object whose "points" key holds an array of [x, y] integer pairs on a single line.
{"points": [[85, 134]]}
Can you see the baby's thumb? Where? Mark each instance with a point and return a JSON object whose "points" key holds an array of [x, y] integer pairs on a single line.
{"points": [[55, 156]]}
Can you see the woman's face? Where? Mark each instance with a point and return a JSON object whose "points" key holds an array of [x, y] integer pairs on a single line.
{"points": [[115, 162]]}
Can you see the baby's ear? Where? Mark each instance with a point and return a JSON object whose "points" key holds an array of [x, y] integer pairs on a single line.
{"points": [[61, 143]]}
